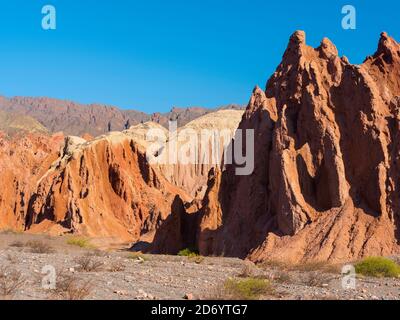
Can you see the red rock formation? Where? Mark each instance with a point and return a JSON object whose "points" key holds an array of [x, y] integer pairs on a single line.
{"points": [[23, 160], [102, 188], [326, 179]]}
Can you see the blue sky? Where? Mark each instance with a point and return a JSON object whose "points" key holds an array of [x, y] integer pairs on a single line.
{"points": [[152, 55]]}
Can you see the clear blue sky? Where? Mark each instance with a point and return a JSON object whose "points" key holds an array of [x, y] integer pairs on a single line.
{"points": [[152, 55]]}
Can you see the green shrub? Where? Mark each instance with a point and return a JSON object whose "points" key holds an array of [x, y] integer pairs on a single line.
{"points": [[79, 242], [188, 252], [247, 289], [378, 267]]}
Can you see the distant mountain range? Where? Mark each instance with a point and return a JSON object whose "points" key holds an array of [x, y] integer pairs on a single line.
{"points": [[94, 119]]}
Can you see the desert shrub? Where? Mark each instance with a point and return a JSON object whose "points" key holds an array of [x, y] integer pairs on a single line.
{"points": [[17, 244], [196, 259], [273, 264], [138, 256], [116, 267], [378, 267], [79, 242], [96, 253], [10, 282], [188, 252], [69, 287], [247, 289], [39, 247], [87, 263], [247, 271], [317, 279], [283, 277]]}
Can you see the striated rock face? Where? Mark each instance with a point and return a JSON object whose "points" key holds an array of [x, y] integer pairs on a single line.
{"points": [[326, 180], [200, 146], [23, 160], [103, 188]]}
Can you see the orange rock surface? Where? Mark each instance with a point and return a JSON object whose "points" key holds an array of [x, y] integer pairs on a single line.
{"points": [[23, 160]]}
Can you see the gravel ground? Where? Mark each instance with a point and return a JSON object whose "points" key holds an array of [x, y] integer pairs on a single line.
{"points": [[119, 274]]}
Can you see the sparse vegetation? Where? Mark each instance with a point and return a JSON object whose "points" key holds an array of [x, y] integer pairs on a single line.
{"points": [[317, 279], [116, 267], [302, 267], [247, 271], [80, 242], [189, 252], [10, 282], [69, 287], [138, 256], [274, 264], [87, 263], [247, 289], [283, 277], [316, 266], [96, 253], [197, 259], [378, 267], [39, 247], [17, 244]]}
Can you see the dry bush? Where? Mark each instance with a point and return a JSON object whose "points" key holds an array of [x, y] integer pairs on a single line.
{"points": [[138, 257], [247, 271], [87, 263], [39, 247], [17, 244], [10, 282], [69, 287], [116, 267], [316, 279], [274, 264], [283, 277], [196, 259], [96, 253]]}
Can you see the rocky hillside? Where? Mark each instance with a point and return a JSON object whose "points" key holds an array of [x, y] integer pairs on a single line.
{"points": [[94, 119], [13, 123], [326, 180]]}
